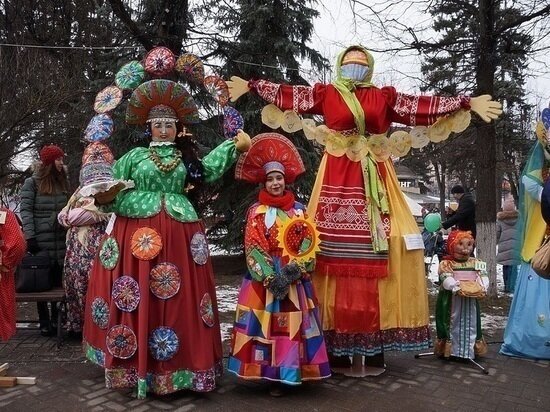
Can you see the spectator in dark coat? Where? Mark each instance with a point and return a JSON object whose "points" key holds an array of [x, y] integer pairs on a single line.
{"points": [[507, 240], [43, 195], [465, 216]]}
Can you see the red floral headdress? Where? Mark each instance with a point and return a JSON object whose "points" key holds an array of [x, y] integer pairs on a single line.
{"points": [[269, 152], [165, 98]]}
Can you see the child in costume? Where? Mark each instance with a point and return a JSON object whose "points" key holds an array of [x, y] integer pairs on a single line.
{"points": [[527, 332], [12, 250], [151, 314], [277, 334], [372, 296], [463, 281]]}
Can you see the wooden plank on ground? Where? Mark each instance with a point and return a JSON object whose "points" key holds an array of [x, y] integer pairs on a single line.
{"points": [[7, 381], [4, 369], [26, 380]]}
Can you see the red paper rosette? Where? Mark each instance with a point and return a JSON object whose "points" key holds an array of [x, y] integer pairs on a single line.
{"points": [[206, 310], [164, 280], [160, 61], [190, 67], [217, 88], [121, 342]]}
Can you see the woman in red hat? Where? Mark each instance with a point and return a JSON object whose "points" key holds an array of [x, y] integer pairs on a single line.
{"points": [[12, 249], [42, 197], [277, 334]]}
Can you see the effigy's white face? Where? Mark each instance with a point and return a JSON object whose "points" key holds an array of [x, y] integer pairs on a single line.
{"points": [[163, 130]]}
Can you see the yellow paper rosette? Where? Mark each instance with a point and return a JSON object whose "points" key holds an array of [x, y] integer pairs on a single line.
{"points": [[322, 133], [291, 122], [460, 121], [335, 144], [272, 116], [400, 143], [357, 148], [440, 130], [310, 129], [419, 137], [379, 146]]}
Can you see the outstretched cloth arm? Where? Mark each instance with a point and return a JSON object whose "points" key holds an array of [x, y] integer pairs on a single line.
{"points": [[422, 110], [301, 99]]}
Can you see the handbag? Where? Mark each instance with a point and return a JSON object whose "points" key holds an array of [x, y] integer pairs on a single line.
{"points": [[541, 260], [34, 273]]}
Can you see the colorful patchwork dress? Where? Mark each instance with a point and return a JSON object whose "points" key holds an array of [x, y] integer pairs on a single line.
{"points": [[458, 318], [151, 314], [371, 289], [277, 340]]}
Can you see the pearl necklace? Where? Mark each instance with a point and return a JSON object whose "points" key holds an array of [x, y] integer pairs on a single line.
{"points": [[165, 167]]}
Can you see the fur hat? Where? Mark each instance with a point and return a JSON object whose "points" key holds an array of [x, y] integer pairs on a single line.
{"points": [[457, 189], [48, 154]]}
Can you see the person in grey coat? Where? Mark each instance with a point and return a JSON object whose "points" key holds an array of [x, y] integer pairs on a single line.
{"points": [[43, 196], [506, 242]]}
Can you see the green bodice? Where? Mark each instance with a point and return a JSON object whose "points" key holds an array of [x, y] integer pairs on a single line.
{"points": [[155, 189]]}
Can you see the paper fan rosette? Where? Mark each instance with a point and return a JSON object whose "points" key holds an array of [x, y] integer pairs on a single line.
{"points": [[217, 88], [160, 61], [267, 148], [299, 239], [232, 122], [107, 99], [190, 67], [100, 128], [160, 91], [130, 75]]}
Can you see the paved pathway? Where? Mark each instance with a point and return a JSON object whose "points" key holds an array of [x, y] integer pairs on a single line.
{"points": [[66, 382]]}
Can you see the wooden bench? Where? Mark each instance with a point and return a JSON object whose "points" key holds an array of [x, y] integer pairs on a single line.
{"points": [[53, 295]]}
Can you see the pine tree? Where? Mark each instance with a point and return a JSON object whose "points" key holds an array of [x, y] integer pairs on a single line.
{"points": [[270, 41], [483, 49]]}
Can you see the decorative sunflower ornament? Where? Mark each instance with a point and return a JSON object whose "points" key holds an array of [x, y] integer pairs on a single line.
{"points": [[299, 239]]}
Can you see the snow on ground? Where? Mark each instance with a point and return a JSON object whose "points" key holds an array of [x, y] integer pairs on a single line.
{"points": [[226, 329], [493, 322], [227, 298], [227, 303]]}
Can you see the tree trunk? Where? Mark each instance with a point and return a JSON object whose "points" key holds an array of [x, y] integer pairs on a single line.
{"points": [[486, 147]]}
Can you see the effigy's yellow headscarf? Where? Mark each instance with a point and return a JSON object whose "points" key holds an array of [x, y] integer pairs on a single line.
{"points": [[346, 86]]}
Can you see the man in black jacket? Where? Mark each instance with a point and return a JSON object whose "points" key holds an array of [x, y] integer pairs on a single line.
{"points": [[465, 216]]}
